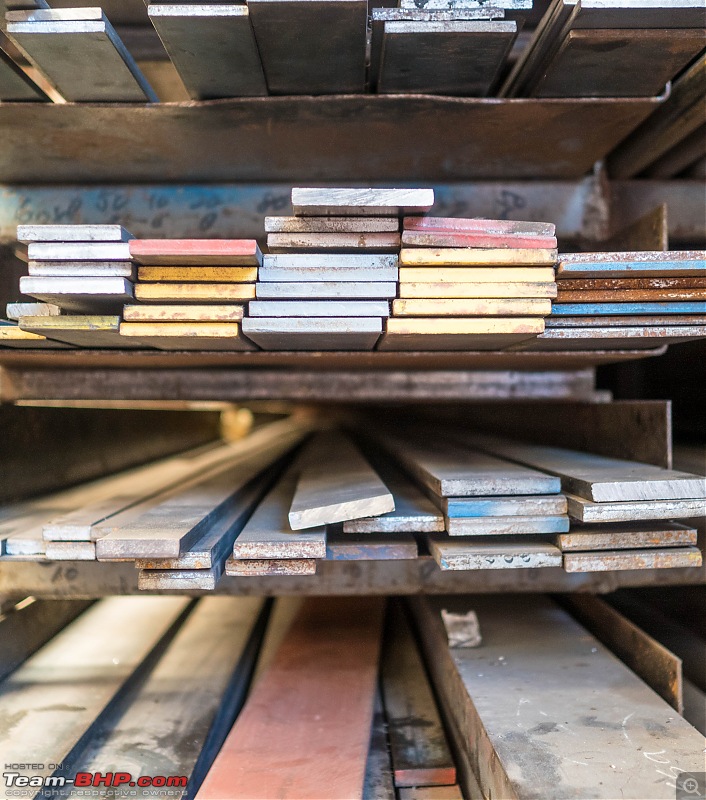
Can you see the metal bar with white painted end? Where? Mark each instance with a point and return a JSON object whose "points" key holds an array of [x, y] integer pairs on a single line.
{"points": [[78, 251], [80, 295], [72, 233], [326, 290], [361, 202], [319, 308]]}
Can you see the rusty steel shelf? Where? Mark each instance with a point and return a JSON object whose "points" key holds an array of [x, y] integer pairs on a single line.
{"points": [[377, 138]]}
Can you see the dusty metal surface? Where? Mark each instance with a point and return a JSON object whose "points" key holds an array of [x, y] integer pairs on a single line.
{"points": [[314, 139]]}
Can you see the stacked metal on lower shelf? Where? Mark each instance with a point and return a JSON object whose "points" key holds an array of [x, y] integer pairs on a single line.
{"points": [[329, 274], [223, 698], [292, 495], [471, 284]]}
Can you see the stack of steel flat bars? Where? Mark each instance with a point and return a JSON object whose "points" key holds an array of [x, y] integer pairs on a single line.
{"points": [[84, 274], [587, 48], [260, 507], [332, 269], [622, 511], [237, 698], [626, 300], [190, 293], [471, 284]]}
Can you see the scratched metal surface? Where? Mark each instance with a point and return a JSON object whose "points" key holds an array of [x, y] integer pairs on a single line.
{"points": [[550, 730], [314, 139]]}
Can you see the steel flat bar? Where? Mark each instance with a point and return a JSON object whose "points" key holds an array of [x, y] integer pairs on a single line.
{"points": [[338, 242], [336, 483], [318, 308], [618, 63], [180, 336], [196, 252], [85, 60], [413, 513], [313, 333], [268, 535], [264, 567], [454, 333], [653, 558], [412, 237], [329, 290], [183, 313], [330, 225], [327, 274], [420, 752], [364, 547], [472, 307], [81, 269], [333, 642], [444, 57], [79, 295], [451, 471], [72, 233], [555, 679], [483, 274], [594, 477], [361, 202], [78, 330], [506, 526], [193, 292], [492, 553], [629, 511], [549, 505], [212, 47], [468, 256], [52, 710], [288, 31], [591, 309], [477, 290], [188, 702], [507, 229], [643, 336], [625, 536]]}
